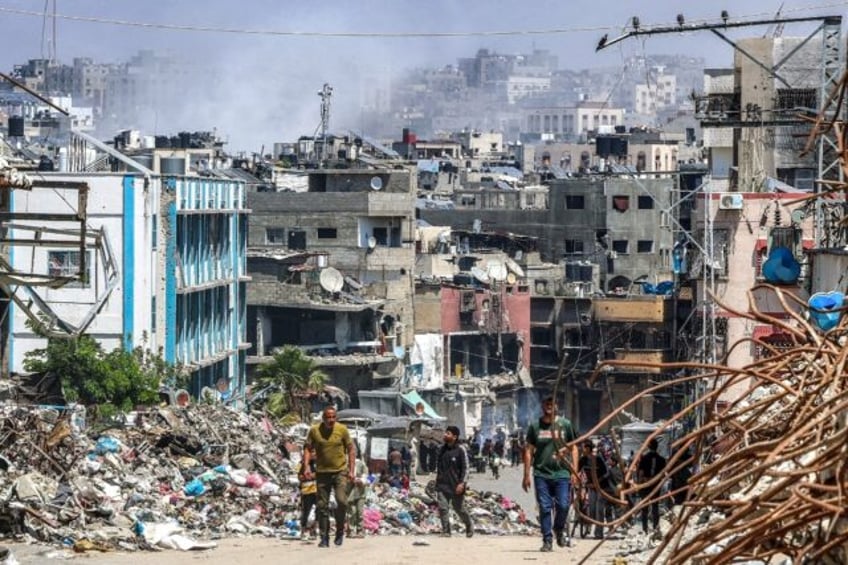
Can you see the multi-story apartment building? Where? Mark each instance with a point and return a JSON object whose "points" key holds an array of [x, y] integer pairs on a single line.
{"points": [[153, 260], [332, 273]]}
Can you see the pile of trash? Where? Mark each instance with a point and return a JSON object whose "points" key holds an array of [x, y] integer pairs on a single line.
{"points": [[174, 475]]}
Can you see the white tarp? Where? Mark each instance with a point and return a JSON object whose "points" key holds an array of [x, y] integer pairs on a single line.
{"points": [[426, 362]]}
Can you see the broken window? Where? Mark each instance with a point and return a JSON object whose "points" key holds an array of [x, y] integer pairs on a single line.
{"points": [[573, 246], [645, 246], [620, 245], [67, 264], [645, 202], [575, 202], [275, 236], [620, 203], [297, 240], [327, 233]]}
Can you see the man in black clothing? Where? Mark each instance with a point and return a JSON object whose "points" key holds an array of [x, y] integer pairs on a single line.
{"points": [[451, 482], [597, 481], [651, 465]]}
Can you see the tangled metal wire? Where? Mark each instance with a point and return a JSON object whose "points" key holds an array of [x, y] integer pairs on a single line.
{"points": [[772, 474]]}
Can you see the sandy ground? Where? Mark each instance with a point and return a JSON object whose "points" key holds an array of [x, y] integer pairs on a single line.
{"points": [[378, 550]]}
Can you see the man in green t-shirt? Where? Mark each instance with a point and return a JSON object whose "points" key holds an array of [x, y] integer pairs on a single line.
{"points": [[335, 458], [551, 474]]}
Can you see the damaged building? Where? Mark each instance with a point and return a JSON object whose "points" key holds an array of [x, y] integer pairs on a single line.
{"points": [[332, 273], [136, 258]]}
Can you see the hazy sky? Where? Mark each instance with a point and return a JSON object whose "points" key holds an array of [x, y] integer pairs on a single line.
{"points": [[272, 94]]}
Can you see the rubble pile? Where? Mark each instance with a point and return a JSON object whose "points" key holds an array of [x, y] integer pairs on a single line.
{"points": [[772, 480], [175, 475]]}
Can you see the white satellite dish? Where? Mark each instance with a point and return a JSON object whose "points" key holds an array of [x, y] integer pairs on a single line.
{"points": [[331, 280], [497, 271], [514, 267], [372, 242], [376, 183], [480, 275]]}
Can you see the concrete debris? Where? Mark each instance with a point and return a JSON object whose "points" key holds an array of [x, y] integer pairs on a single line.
{"points": [[178, 475]]}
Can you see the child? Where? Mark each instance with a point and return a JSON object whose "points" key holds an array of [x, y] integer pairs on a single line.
{"points": [[308, 494]]}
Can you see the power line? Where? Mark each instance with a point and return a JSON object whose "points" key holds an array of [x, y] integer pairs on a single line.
{"points": [[365, 34]]}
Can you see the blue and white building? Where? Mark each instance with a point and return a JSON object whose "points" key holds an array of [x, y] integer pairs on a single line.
{"points": [[165, 266]]}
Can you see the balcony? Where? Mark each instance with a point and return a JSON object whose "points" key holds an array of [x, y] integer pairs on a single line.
{"points": [[641, 356], [652, 309]]}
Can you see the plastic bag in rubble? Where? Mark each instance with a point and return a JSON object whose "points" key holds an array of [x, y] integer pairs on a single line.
{"points": [[239, 476], [107, 444], [168, 535], [194, 488], [255, 480], [371, 518], [270, 489]]}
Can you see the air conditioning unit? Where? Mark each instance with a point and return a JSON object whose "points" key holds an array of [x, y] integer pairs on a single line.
{"points": [[731, 201]]}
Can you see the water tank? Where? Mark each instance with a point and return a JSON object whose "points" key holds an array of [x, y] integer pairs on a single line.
{"points": [[172, 166], [603, 146], [572, 271], [619, 147], [144, 160], [585, 273], [163, 142], [16, 126]]}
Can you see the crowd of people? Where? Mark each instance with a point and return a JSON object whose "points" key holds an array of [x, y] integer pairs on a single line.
{"points": [[561, 475]]}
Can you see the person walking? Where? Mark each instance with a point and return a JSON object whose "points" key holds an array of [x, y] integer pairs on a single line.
{"points": [[308, 494], [593, 467], [452, 482], [545, 455], [335, 465], [356, 499], [651, 465]]}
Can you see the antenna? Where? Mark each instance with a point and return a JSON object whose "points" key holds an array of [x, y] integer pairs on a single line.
{"points": [[325, 93]]}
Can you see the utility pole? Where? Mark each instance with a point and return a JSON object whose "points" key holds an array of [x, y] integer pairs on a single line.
{"points": [[325, 93]]}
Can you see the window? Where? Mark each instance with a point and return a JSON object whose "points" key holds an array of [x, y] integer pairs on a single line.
{"points": [[644, 246], [67, 264], [620, 245], [381, 235], [154, 230], [275, 236], [645, 202], [327, 233], [620, 203], [297, 240], [573, 246], [575, 202]]}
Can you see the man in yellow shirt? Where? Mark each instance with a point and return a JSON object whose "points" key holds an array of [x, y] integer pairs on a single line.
{"points": [[335, 458]]}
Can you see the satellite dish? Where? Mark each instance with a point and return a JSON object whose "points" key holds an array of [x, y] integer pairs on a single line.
{"points": [[514, 267], [510, 278], [376, 183], [497, 271], [208, 394], [331, 280], [372, 242], [183, 398], [480, 275]]}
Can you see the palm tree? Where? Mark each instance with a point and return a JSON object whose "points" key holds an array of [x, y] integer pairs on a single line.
{"points": [[291, 373]]}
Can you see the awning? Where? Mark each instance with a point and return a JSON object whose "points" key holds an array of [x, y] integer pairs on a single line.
{"points": [[414, 401]]}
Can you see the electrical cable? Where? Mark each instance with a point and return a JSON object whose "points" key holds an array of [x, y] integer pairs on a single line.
{"points": [[367, 34]]}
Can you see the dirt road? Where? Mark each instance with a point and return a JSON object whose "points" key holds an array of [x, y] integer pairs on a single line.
{"points": [[378, 550]]}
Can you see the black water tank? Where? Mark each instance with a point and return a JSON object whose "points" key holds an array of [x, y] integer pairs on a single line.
{"points": [[572, 272], [185, 140], [619, 147], [620, 129], [585, 273], [603, 146], [16, 126], [163, 142]]}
